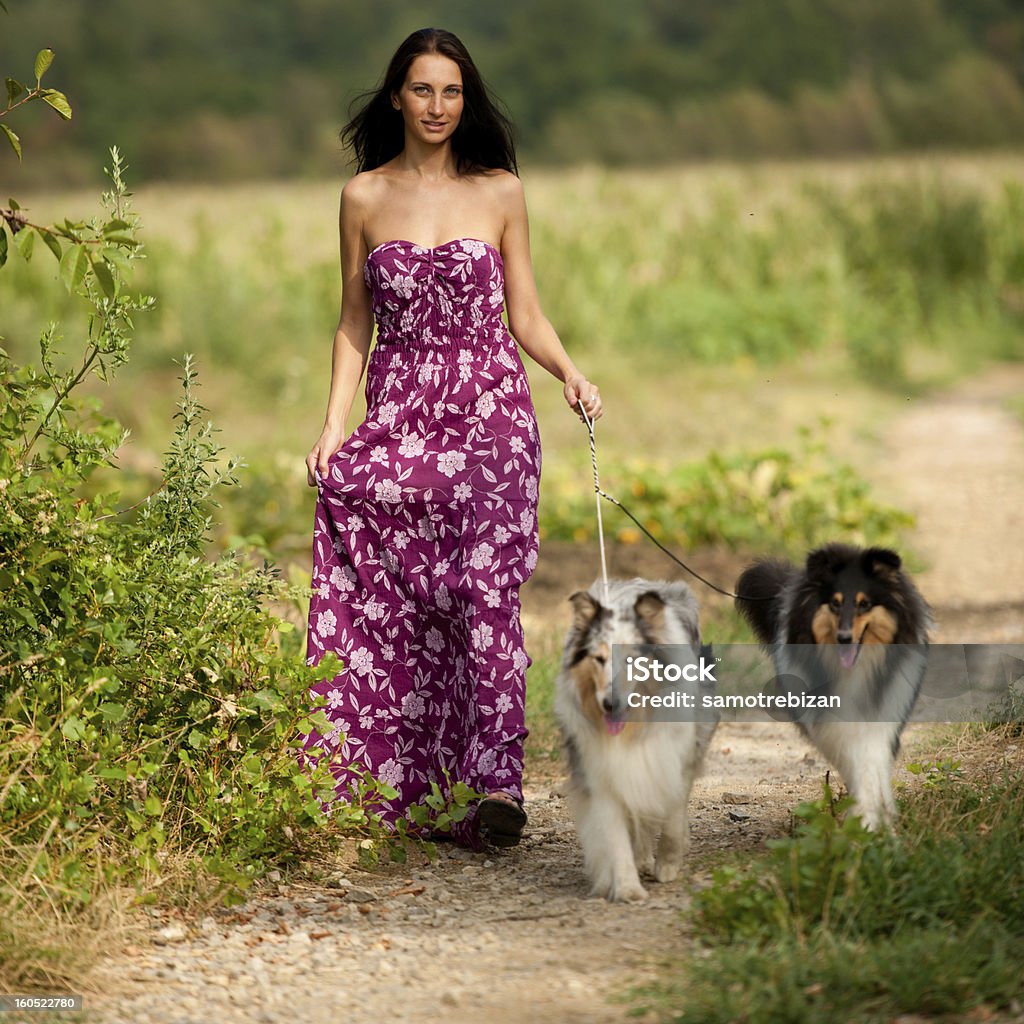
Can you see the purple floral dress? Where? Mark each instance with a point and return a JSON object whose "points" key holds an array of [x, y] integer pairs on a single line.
{"points": [[425, 528]]}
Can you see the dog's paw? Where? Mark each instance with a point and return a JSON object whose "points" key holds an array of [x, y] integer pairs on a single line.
{"points": [[666, 871], [628, 893], [646, 866]]}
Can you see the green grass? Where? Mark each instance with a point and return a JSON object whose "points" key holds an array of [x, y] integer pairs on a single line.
{"points": [[543, 745], [838, 923], [917, 971]]}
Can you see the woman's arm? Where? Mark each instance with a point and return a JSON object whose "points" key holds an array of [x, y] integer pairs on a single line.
{"points": [[526, 320], [354, 331]]}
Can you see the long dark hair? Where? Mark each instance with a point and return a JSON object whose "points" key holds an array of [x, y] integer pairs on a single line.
{"points": [[481, 141]]}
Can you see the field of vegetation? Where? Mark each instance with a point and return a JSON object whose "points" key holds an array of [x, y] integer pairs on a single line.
{"points": [[752, 330], [721, 309]]}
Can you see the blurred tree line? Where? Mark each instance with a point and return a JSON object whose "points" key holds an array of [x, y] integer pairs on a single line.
{"points": [[259, 88]]}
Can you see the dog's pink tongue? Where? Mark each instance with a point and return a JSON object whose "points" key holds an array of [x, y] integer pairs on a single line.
{"points": [[848, 655], [613, 727]]}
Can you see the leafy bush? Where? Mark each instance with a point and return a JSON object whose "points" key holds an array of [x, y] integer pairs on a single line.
{"points": [[150, 703]]}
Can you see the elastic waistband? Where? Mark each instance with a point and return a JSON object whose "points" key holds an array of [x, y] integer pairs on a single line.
{"points": [[486, 340]]}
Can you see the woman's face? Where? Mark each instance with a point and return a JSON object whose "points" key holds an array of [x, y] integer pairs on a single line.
{"points": [[431, 98]]}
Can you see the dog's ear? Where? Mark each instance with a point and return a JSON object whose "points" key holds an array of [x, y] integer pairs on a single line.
{"points": [[881, 562], [585, 609], [819, 565], [650, 608]]}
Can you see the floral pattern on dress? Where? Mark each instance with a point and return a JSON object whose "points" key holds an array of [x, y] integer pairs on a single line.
{"points": [[425, 528]]}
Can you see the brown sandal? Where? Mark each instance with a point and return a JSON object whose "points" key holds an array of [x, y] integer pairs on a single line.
{"points": [[501, 818]]}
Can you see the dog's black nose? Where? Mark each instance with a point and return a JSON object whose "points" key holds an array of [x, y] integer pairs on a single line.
{"points": [[609, 704], [845, 636]]}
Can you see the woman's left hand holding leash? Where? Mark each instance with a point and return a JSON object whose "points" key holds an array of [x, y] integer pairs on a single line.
{"points": [[578, 389]]}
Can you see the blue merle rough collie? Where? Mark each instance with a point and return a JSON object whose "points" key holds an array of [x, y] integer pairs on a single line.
{"points": [[849, 622], [630, 781]]}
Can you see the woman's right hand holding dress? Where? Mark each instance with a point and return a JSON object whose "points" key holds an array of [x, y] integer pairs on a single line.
{"points": [[331, 439]]}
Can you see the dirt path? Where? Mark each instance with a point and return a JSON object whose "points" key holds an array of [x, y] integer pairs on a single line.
{"points": [[510, 935], [957, 463], [500, 936]]}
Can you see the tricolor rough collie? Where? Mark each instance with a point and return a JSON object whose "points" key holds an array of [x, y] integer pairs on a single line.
{"points": [[629, 780], [850, 623]]}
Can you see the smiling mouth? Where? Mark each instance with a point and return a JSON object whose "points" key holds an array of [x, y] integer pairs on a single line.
{"points": [[435, 124]]}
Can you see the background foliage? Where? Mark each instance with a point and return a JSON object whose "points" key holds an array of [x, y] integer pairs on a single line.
{"points": [[259, 88], [872, 281]]}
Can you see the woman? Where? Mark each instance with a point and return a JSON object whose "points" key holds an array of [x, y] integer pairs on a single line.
{"points": [[426, 519]]}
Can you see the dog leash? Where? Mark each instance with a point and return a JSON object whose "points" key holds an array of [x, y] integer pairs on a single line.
{"points": [[599, 494], [597, 498]]}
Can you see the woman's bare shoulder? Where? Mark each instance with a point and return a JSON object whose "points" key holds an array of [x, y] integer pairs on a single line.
{"points": [[363, 188], [505, 193], [503, 183]]}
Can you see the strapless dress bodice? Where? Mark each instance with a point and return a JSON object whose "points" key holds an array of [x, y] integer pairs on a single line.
{"points": [[441, 296]]}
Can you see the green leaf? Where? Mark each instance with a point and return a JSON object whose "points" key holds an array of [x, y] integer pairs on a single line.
{"points": [[25, 241], [112, 712], [51, 240], [43, 60], [14, 90], [267, 699], [73, 728], [59, 102], [198, 740], [116, 257], [12, 139], [105, 278], [27, 616], [153, 805], [73, 266]]}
